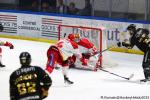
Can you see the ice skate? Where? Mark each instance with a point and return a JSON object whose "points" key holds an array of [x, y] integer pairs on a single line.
{"points": [[67, 81], [145, 80], [1, 65]]}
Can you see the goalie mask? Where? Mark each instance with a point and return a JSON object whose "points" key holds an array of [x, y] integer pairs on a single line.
{"points": [[74, 37], [25, 59]]}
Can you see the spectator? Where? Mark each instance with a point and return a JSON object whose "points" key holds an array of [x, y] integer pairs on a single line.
{"points": [[25, 5], [29, 82], [72, 9], [34, 6], [48, 6], [21, 5], [53, 4], [87, 10], [45, 7], [62, 8]]}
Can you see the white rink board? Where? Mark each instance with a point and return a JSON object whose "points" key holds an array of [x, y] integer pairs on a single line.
{"points": [[46, 26]]}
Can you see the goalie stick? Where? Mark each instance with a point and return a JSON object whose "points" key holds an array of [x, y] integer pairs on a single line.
{"points": [[127, 78]]}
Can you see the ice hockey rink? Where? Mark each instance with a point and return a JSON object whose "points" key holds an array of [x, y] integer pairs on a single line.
{"points": [[88, 85]]}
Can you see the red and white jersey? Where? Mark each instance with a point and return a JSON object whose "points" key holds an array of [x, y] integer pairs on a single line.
{"points": [[67, 48], [86, 46]]}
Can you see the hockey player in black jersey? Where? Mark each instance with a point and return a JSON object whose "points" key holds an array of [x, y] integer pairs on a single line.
{"points": [[29, 82], [139, 38]]}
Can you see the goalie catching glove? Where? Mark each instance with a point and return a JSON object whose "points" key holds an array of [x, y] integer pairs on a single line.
{"points": [[8, 44]]}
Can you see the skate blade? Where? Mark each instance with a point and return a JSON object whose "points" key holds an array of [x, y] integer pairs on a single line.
{"points": [[144, 82], [67, 84]]}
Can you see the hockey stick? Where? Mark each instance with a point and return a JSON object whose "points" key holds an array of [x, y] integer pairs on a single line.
{"points": [[127, 78], [100, 52], [108, 48]]}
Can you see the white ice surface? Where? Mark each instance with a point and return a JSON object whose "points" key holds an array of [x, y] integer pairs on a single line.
{"points": [[88, 85]]}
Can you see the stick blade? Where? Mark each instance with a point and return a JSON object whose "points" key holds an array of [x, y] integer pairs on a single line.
{"points": [[131, 76]]}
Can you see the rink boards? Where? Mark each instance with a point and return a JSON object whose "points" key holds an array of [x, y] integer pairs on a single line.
{"points": [[44, 27]]}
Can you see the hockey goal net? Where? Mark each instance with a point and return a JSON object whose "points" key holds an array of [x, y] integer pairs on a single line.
{"points": [[95, 35]]}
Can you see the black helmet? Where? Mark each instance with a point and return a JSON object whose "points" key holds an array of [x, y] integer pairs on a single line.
{"points": [[25, 58], [131, 27]]}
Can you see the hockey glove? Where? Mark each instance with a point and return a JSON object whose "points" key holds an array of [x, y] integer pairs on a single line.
{"points": [[127, 45], [119, 44], [10, 45]]}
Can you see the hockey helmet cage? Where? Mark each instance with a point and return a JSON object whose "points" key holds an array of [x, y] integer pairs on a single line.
{"points": [[131, 27], [25, 58], [77, 35]]}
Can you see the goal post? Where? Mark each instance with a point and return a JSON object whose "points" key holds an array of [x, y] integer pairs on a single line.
{"points": [[94, 35]]}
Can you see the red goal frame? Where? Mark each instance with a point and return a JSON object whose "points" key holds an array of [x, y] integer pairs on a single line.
{"points": [[84, 28]]}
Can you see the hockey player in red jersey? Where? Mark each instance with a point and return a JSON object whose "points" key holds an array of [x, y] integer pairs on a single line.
{"points": [[7, 44], [89, 50], [61, 54]]}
